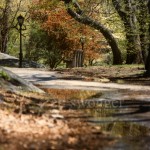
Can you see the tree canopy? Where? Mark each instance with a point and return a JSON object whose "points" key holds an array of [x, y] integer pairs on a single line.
{"points": [[123, 24]]}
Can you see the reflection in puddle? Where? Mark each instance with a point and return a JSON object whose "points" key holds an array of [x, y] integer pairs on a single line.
{"points": [[68, 94], [128, 119], [126, 122]]}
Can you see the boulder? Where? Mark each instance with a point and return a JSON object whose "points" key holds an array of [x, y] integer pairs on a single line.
{"points": [[14, 83], [11, 61]]}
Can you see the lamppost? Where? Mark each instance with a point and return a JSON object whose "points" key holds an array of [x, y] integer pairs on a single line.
{"points": [[82, 40], [81, 57], [20, 20]]}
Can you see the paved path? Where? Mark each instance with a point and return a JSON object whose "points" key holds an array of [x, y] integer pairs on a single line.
{"points": [[111, 92], [52, 79]]}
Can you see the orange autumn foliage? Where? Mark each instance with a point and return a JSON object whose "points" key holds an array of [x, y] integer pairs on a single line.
{"points": [[57, 23]]}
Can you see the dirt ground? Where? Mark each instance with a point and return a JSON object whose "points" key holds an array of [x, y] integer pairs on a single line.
{"points": [[130, 74], [31, 121]]}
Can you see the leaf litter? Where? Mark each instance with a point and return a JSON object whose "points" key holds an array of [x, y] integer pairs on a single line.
{"points": [[35, 121]]}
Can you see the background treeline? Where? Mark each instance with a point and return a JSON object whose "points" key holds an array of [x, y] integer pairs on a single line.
{"points": [[116, 29]]}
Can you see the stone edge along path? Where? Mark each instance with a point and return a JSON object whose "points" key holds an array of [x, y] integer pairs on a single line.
{"points": [[27, 86]]}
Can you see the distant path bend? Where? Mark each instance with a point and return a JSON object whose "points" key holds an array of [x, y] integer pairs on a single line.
{"points": [[52, 79]]}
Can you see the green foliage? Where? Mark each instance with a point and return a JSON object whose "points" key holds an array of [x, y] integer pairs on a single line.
{"points": [[4, 75], [42, 47], [13, 43]]}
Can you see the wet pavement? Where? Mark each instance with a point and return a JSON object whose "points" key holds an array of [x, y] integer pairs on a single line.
{"points": [[121, 110], [123, 114]]}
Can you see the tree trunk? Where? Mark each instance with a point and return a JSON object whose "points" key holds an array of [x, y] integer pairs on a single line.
{"points": [[147, 65], [128, 16], [4, 40], [5, 27], [142, 19], [134, 54], [80, 17]]}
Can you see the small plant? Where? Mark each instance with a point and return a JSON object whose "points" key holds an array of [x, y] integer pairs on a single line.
{"points": [[4, 75]]}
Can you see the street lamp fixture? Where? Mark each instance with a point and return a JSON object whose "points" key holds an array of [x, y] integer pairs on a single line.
{"points": [[82, 40], [20, 20]]}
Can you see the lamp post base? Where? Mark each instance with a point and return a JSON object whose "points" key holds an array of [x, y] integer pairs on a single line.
{"points": [[20, 60]]}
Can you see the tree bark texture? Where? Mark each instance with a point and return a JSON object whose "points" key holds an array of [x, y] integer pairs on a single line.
{"points": [[128, 16], [5, 27], [143, 27], [147, 65], [79, 16]]}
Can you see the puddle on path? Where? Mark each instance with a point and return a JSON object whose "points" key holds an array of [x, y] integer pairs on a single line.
{"points": [[122, 114], [68, 94]]}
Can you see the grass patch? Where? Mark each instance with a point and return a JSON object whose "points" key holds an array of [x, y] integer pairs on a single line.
{"points": [[4, 75]]}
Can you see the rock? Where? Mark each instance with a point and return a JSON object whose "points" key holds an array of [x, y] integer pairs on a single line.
{"points": [[16, 84], [11, 61], [6, 56]]}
